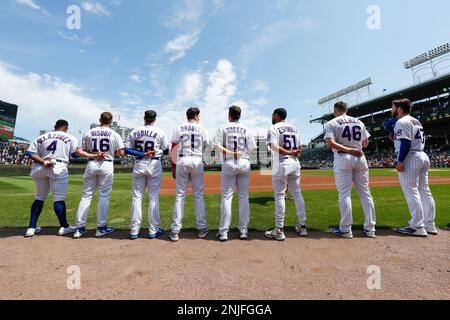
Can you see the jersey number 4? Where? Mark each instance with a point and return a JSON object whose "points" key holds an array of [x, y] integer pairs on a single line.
{"points": [[52, 147], [354, 134], [420, 135]]}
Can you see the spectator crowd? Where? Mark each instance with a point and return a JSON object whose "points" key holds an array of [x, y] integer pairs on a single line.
{"points": [[13, 153]]}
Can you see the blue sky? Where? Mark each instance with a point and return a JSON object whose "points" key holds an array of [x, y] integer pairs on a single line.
{"points": [[131, 55]]}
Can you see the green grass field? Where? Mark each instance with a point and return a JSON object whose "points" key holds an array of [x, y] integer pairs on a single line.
{"points": [[17, 194]]}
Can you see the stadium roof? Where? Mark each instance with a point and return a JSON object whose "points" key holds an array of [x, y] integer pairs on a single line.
{"points": [[416, 92]]}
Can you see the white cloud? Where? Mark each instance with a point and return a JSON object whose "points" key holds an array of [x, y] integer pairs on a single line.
{"points": [[95, 7], [136, 78], [260, 86], [47, 99], [130, 99], [187, 12], [213, 92], [32, 5], [73, 37], [177, 47], [191, 88]]}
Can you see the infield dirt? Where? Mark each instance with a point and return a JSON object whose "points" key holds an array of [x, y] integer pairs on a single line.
{"points": [[317, 267]]}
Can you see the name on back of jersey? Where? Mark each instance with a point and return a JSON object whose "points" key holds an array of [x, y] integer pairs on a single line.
{"points": [[190, 128], [285, 129], [54, 136], [343, 121], [101, 133], [145, 133], [238, 130]]}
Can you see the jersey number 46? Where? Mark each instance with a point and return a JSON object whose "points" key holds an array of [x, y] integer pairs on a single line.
{"points": [[354, 133]]}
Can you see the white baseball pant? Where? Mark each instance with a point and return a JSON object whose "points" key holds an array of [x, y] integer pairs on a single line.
{"points": [[235, 174], [189, 169], [287, 173], [349, 169], [147, 174], [414, 183], [54, 179], [99, 175]]}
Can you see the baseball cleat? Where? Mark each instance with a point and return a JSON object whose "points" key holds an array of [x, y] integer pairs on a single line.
{"points": [[243, 236], [79, 233], [369, 234], [155, 234], [276, 234], [133, 236], [339, 233], [301, 230], [431, 229], [31, 232], [420, 232], [65, 231], [202, 233], [221, 237], [173, 236], [103, 231]]}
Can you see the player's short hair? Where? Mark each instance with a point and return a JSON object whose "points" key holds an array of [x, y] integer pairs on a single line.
{"points": [[61, 124], [235, 112], [150, 116], [191, 113], [404, 104], [281, 112], [106, 118], [341, 106]]}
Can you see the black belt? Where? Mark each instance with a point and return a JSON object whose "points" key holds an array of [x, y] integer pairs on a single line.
{"points": [[62, 161], [193, 155], [341, 152], [100, 160], [154, 158]]}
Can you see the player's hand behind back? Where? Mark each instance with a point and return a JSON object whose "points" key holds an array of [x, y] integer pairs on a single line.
{"points": [[100, 156], [150, 154], [356, 153], [296, 153]]}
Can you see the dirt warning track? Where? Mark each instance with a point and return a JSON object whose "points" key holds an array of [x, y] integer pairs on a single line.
{"points": [[263, 183]]}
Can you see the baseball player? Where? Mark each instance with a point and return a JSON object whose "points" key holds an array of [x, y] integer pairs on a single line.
{"points": [[188, 142], [51, 153], [284, 141], [147, 143], [234, 141], [347, 137], [99, 175], [412, 166]]}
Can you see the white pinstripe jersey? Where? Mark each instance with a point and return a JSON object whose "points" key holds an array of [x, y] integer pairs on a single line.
{"points": [[286, 136], [103, 140], [148, 138], [410, 129], [236, 137], [347, 131], [58, 145], [192, 139]]}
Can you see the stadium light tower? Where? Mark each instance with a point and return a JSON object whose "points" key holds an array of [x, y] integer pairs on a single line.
{"points": [[429, 60], [357, 89]]}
